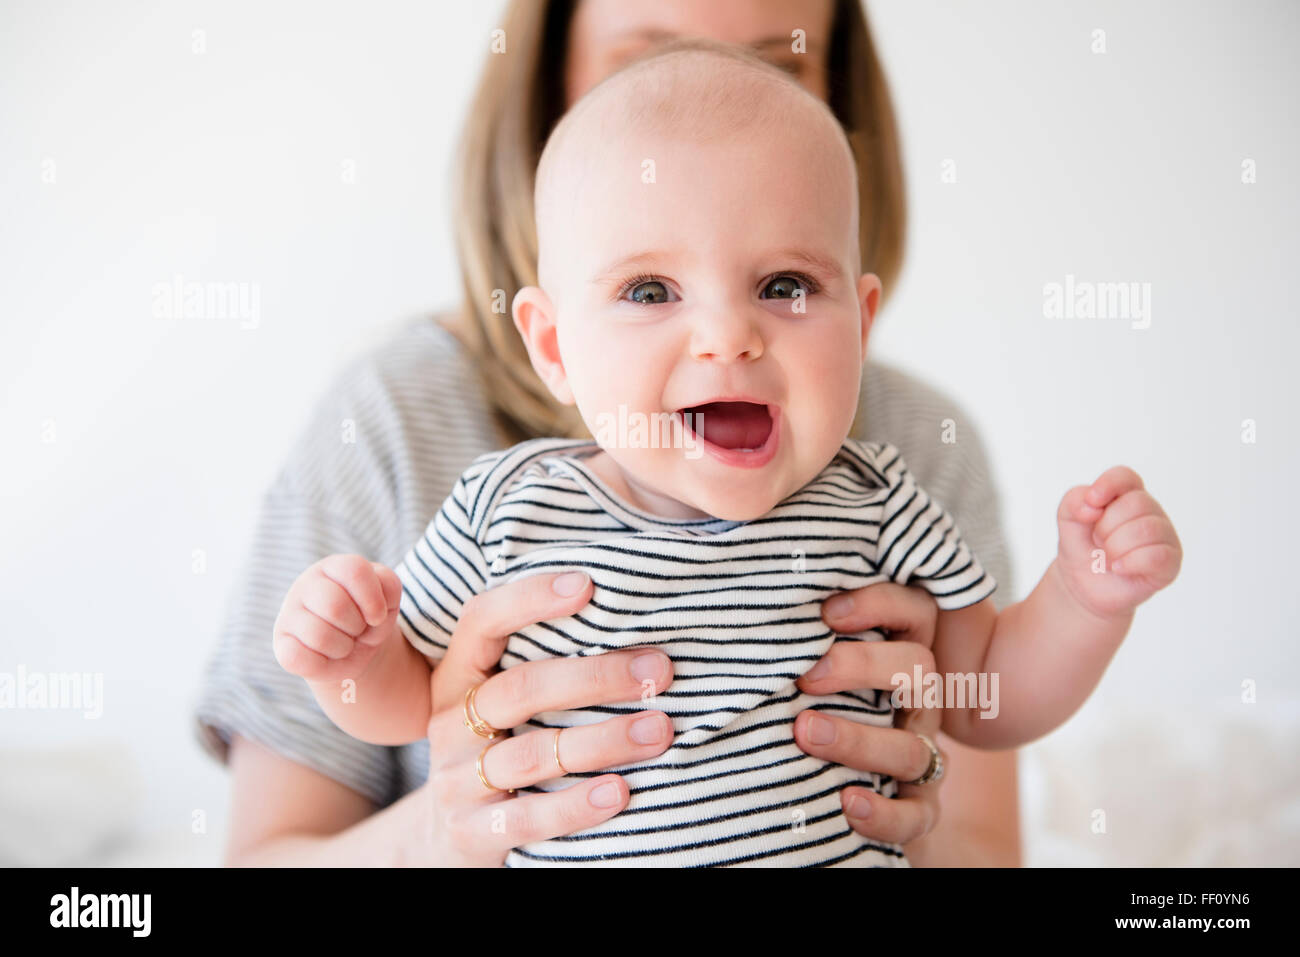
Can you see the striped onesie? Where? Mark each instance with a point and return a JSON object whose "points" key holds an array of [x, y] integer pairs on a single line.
{"points": [[735, 605]]}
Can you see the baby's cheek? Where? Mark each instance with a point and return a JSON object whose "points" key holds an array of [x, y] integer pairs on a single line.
{"points": [[831, 400]]}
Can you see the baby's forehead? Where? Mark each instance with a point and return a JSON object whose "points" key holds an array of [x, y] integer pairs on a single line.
{"points": [[695, 96]]}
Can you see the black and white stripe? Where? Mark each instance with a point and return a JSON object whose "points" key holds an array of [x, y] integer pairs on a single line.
{"points": [[421, 417], [736, 606]]}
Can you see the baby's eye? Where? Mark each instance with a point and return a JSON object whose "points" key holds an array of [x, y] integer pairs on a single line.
{"points": [[787, 287], [649, 292]]}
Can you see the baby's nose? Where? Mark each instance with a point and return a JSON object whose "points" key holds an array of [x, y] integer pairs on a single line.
{"points": [[726, 338]]}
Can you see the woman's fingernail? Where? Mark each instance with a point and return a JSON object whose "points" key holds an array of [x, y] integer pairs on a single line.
{"points": [[570, 583], [648, 730], [819, 670], [604, 796], [820, 731], [857, 807], [649, 667], [839, 607]]}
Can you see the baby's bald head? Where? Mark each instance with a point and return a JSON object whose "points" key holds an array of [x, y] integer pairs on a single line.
{"points": [[733, 270], [696, 91]]}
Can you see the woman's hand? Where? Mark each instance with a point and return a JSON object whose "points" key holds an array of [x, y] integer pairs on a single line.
{"points": [[469, 825], [910, 616]]}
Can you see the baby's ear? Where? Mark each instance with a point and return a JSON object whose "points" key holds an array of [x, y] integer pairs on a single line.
{"points": [[534, 317], [869, 291]]}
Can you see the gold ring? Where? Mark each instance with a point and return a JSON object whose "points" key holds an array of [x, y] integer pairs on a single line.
{"points": [[473, 721], [559, 764], [478, 766]]}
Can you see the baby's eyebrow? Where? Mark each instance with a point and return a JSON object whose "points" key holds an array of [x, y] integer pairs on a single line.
{"points": [[782, 40], [653, 35], [811, 259], [641, 260]]}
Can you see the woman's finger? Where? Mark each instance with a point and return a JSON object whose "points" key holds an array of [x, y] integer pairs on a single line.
{"points": [[906, 613], [488, 620], [509, 698], [926, 721], [524, 760], [915, 811], [498, 827], [854, 665], [891, 820], [896, 752]]}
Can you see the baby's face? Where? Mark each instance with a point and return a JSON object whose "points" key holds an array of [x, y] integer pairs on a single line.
{"points": [[713, 285]]}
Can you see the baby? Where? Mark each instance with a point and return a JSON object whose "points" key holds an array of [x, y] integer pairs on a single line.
{"points": [[701, 302]]}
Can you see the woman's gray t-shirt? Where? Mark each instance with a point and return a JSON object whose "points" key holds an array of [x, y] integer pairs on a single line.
{"points": [[379, 456]]}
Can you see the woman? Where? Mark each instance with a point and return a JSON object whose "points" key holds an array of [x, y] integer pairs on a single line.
{"points": [[388, 442]]}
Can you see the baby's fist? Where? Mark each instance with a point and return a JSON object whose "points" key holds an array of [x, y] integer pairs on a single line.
{"points": [[335, 617], [1118, 548]]}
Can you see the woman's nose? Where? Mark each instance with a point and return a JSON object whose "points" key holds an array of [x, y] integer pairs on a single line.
{"points": [[726, 336]]}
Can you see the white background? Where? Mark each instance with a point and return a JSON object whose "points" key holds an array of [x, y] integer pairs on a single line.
{"points": [[225, 167]]}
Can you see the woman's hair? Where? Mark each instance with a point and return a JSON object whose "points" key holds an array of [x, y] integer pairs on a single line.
{"points": [[520, 99]]}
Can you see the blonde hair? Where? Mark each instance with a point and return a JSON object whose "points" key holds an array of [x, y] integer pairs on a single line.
{"points": [[520, 99]]}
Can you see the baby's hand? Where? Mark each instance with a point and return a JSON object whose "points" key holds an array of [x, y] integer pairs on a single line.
{"points": [[335, 617], [1139, 549]]}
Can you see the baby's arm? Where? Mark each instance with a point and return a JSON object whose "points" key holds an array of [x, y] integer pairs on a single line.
{"points": [[1049, 651], [337, 629]]}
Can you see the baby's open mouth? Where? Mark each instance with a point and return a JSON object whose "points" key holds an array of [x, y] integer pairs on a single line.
{"points": [[738, 426]]}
